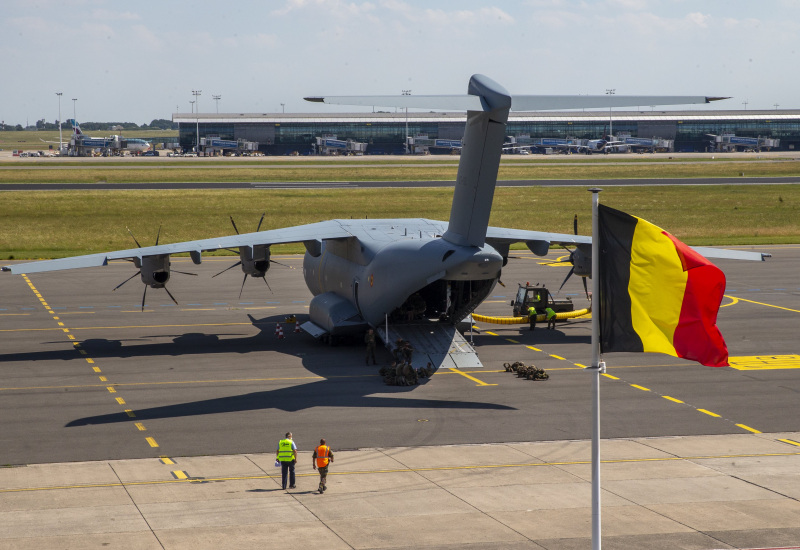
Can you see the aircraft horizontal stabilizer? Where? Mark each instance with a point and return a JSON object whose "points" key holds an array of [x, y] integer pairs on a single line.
{"points": [[470, 102], [462, 102]]}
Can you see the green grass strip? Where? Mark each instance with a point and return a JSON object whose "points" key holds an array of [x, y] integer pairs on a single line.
{"points": [[47, 224]]}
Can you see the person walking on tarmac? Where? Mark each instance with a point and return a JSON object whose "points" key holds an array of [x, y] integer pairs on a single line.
{"points": [[551, 318], [320, 459], [532, 317], [287, 456]]}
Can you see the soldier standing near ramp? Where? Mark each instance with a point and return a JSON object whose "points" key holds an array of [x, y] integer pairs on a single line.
{"points": [[369, 339], [320, 459]]}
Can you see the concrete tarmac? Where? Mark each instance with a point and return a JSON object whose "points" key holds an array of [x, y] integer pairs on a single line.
{"points": [[95, 392]]}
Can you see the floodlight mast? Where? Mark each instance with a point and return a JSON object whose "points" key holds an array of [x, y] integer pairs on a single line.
{"points": [[60, 140], [196, 94]]}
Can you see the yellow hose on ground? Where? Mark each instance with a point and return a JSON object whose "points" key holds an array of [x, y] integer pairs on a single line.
{"points": [[521, 320]]}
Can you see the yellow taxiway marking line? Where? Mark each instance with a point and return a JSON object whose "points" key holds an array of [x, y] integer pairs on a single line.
{"points": [[557, 357], [765, 362], [121, 401], [130, 413], [111, 389], [709, 413], [790, 442], [672, 399], [465, 375], [748, 428], [640, 387], [166, 460], [103, 379], [140, 427], [151, 441], [7, 314], [768, 305], [533, 348], [492, 333], [180, 474], [610, 376], [511, 340], [78, 312]]}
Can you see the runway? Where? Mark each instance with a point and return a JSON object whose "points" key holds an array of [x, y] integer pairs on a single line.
{"points": [[99, 379], [789, 180]]}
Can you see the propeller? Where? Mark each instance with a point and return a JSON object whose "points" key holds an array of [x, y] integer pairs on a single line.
{"points": [[155, 265], [572, 261], [250, 268]]}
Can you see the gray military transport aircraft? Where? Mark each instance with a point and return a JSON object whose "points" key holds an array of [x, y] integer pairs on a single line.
{"points": [[414, 279]]}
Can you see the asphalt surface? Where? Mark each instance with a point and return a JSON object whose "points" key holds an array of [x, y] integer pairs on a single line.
{"points": [[99, 379], [392, 184]]}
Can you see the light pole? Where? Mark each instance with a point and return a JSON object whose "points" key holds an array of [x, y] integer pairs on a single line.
{"points": [[216, 98], [59, 122], [283, 108], [405, 146], [74, 117], [196, 94], [745, 102], [191, 102], [610, 91]]}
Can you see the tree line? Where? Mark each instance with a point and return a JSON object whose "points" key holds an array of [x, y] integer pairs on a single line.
{"points": [[156, 124]]}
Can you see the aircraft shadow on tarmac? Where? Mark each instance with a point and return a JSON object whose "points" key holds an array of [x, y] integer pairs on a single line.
{"points": [[355, 391]]}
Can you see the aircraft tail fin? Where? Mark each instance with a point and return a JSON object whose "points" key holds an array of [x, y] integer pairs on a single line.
{"points": [[76, 128], [480, 160]]}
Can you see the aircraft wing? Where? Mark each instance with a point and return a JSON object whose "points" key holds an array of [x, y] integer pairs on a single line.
{"points": [[539, 241], [316, 231]]}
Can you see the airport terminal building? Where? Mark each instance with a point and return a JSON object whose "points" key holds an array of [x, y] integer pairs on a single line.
{"points": [[384, 133]]}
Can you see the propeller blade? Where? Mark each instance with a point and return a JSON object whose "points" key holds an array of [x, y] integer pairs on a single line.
{"points": [[234, 225], [501, 283], [585, 288], [126, 280], [134, 238], [242, 289], [571, 271], [171, 296], [265, 280], [184, 272], [158, 235], [143, 295], [227, 268], [575, 224], [259, 222]]}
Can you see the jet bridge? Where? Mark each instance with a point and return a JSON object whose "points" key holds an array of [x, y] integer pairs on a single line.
{"points": [[438, 343]]}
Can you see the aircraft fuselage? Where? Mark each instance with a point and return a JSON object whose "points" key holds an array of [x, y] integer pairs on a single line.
{"points": [[359, 281]]}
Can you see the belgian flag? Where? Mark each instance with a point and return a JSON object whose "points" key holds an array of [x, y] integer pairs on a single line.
{"points": [[656, 293]]}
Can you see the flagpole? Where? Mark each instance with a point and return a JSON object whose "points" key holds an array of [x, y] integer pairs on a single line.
{"points": [[598, 368]]}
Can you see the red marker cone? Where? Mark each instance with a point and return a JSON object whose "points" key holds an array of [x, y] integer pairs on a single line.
{"points": [[297, 326], [280, 332]]}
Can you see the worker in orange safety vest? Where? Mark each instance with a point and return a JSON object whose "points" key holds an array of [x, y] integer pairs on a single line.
{"points": [[320, 459]]}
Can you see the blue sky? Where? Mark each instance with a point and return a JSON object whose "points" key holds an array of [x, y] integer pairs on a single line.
{"points": [[140, 59]]}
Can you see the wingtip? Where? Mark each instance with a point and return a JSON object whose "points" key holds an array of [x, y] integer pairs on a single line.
{"points": [[315, 99], [710, 99]]}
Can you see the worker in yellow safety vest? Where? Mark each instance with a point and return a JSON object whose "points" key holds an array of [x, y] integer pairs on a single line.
{"points": [[287, 456], [551, 318], [532, 317], [320, 459]]}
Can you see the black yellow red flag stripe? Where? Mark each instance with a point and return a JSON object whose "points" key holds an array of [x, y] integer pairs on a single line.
{"points": [[656, 293]]}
